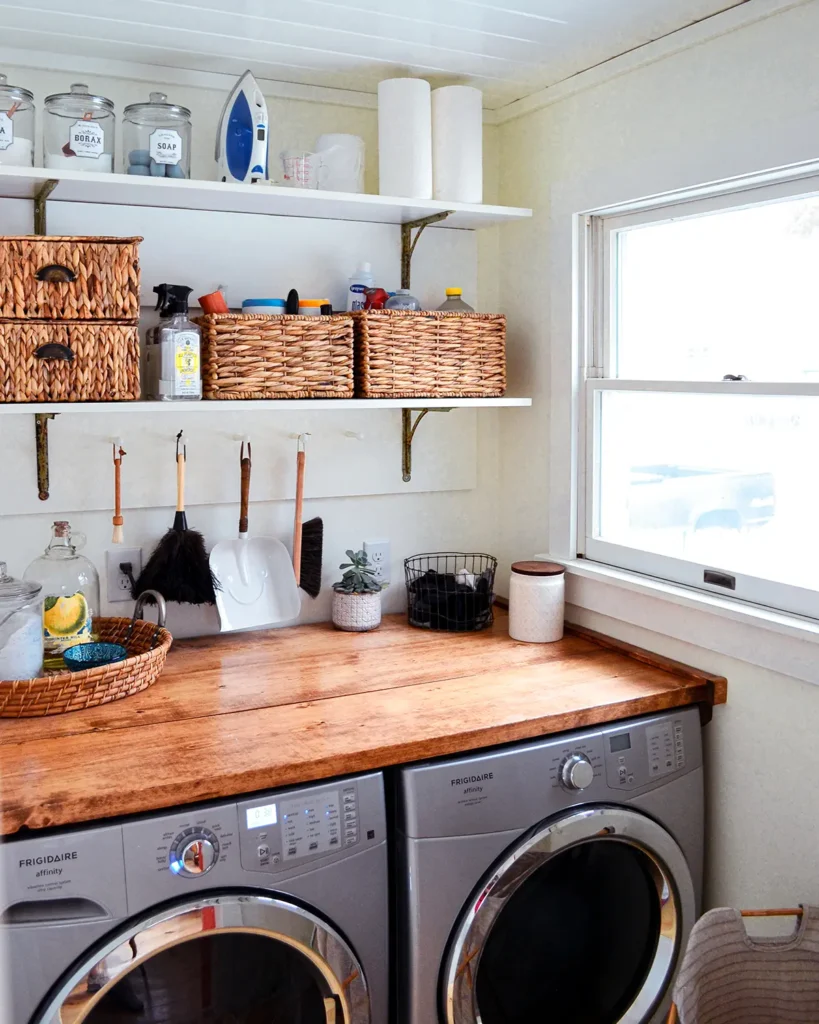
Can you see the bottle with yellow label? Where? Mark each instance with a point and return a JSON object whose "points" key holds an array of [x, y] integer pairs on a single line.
{"points": [[71, 593], [173, 354]]}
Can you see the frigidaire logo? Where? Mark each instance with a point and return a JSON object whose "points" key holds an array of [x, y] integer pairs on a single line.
{"points": [[467, 779], [46, 860]]}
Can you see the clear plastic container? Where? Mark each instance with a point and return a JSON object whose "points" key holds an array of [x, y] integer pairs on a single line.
{"points": [[78, 131], [21, 627], [156, 138], [454, 303], [402, 300], [71, 593], [16, 125]]}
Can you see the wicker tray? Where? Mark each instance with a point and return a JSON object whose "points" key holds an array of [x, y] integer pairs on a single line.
{"points": [[429, 354], [70, 691], [257, 356], [69, 278]]}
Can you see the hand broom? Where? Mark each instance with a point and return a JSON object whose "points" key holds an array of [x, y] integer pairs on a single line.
{"points": [[179, 568], [308, 538]]}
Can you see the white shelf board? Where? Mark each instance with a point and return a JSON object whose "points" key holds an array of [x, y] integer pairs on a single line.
{"points": [[220, 197], [265, 405]]}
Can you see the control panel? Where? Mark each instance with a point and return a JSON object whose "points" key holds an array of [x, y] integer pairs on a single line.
{"points": [[644, 752], [275, 834]]}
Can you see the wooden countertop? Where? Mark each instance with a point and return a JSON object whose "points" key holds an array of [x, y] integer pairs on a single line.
{"points": [[243, 712]]}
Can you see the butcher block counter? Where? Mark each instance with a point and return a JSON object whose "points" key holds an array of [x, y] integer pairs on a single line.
{"points": [[237, 713]]}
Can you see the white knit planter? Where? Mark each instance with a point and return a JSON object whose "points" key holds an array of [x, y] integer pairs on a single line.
{"points": [[356, 613]]}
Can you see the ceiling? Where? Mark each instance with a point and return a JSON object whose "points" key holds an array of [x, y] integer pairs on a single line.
{"points": [[509, 48]]}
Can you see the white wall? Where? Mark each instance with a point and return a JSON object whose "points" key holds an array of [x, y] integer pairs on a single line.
{"points": [[354, 485], [740, 103]]}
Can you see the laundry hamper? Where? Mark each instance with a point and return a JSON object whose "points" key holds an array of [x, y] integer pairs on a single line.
{"points": [[727, 977]]}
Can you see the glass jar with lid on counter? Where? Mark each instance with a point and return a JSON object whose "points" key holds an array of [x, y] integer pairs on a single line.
{"points": [[16, 125], [78, 131], [21, 627], [156, 138]]}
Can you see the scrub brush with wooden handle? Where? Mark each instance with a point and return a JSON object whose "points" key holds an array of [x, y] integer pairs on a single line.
{"points": [[308, 538]]}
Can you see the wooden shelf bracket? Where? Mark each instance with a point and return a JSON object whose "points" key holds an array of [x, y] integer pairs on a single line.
{"points": [[408, 243], [408, 428], [41, 442], [40, 199]]}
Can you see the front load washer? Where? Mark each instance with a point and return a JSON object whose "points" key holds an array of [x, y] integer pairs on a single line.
{"points": [[552, 880], [270, 908]]}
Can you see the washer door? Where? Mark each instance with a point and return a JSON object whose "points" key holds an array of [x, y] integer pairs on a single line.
{"points": [[233, 958], [583, 920]]}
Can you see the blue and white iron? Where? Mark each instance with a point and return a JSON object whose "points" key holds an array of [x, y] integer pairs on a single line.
{"points": [[241, 142]]}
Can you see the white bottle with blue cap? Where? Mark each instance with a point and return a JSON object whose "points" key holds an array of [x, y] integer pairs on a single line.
{"points": [[359, 283]]}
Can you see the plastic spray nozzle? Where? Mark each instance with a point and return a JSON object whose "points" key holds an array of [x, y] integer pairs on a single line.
{"points": [[161, 296], [177, 301]]}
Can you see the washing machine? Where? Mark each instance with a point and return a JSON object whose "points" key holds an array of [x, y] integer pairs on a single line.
{"points": [[554, 880], [266, 909]]}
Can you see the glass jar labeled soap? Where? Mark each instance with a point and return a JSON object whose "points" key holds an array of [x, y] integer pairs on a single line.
{"points": [[156, 138], [71, 592], [78, 131], [16, 125]]}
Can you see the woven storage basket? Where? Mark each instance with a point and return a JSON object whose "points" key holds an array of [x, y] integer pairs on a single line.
{"points": [[247, 356], [429, 354], [104, 363], [71, 691], [64, 278]]}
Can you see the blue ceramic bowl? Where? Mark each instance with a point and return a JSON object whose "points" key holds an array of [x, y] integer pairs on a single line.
{"points": [[93, 655]]}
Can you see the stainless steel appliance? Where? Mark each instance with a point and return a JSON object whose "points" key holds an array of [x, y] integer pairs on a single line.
{"points": [[268, 908], [555, 879]]}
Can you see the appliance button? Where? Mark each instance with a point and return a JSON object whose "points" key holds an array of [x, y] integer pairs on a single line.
{"points": [[623, 771], [313, 846], [576, 772], [350, 841], [350, 815], [334, 841], [263, 851], [276, 858], [292, 851]]}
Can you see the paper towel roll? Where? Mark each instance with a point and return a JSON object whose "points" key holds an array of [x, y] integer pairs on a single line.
{"points": [[457, 143], [405, 138]]}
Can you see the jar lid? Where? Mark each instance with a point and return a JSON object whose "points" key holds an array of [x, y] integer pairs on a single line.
{"points": [[14, 92], [538, 568], [14, 591], [263, 302], [79, 99], [157, 103], [314, 302]]}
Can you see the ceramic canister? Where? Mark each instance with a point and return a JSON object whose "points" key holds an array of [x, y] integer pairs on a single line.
{"points": [[536, 602]]}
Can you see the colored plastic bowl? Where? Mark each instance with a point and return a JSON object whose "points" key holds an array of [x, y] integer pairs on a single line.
{"points": [[93, 655]]}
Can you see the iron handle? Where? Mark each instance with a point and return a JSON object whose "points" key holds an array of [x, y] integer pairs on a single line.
{"points": [[56, 273], [54, 350]]}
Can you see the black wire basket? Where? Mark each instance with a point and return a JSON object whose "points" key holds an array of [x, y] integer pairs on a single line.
{"points": [[450, 591]]}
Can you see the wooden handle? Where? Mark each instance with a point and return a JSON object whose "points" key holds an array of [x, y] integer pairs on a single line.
{"points": [[180, 482], [244, 499], [297, 522], [118, 520], [672, 1015]]}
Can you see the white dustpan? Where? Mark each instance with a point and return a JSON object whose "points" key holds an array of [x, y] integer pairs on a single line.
{"points": [[257, 583]]}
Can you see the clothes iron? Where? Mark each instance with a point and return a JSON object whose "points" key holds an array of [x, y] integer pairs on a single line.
{"points": [[241, 141]]}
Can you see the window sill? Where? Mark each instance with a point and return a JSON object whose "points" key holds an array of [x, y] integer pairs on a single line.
{"points": [[780, 642]]}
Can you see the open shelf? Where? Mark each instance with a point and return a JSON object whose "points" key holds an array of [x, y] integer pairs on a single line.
{"points": [[265, 405], [220, 197]]}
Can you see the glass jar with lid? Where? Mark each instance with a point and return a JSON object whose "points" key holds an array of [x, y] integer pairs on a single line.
{"points": [[156, 138], [21, 627], [78, 131], [16, 125]]}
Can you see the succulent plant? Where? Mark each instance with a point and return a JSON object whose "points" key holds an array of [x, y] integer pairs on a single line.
{"points": [[359, 577]]}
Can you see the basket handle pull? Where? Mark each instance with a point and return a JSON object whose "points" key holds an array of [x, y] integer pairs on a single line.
{"points": [[56, 273], [54, 350], [155, 598]]}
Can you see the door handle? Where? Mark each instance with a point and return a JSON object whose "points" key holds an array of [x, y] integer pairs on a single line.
{"points": [[54, 350]]}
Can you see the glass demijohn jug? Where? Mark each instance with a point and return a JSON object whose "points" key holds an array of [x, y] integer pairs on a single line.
{"points": [[71, 593]]}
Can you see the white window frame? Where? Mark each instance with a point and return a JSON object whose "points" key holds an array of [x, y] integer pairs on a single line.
{"points": [[595, 292]]}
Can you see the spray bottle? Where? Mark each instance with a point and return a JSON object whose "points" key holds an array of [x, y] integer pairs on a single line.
{"points": [[177, 350]]}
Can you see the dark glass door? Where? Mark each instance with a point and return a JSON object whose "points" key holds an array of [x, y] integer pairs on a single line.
{"points": [[221, 978], [575, 942]]}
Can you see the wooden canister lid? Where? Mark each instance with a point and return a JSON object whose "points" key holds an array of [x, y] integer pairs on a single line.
{"points": [[538, 568]]}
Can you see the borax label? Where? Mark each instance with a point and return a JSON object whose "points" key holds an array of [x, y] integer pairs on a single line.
{"points": [[6, 130], [86, 138]]}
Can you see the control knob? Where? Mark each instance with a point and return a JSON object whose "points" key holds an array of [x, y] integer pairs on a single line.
{"points": [[576, 772], [194, 853]]}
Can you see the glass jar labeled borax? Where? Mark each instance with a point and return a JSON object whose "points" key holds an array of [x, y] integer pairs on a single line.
{"points": [[536, 602], [16, 125], [78, 131], [156, 138]]}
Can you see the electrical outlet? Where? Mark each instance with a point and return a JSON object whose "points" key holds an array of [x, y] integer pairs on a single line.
{"points": [[378, 552], [119, 584]]}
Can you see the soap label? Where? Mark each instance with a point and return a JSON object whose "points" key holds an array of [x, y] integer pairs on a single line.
{"points": [[165, 146], [6, 130], [186, 364], [86, 138]]}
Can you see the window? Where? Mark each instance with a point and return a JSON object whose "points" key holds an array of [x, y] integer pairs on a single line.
{"points": [[702, 393]]}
